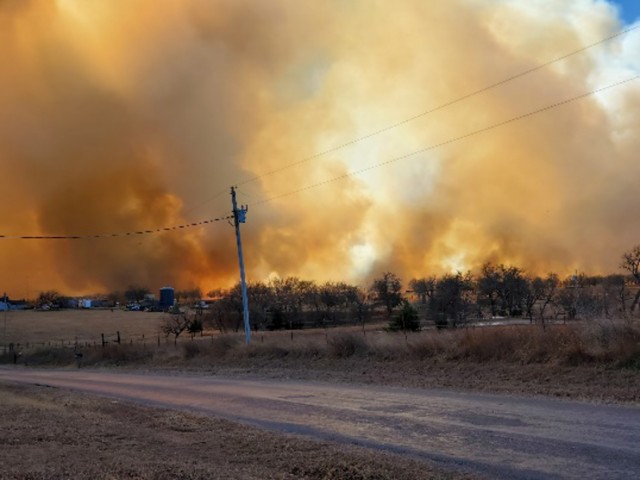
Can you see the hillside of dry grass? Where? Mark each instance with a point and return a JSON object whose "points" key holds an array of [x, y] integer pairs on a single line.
{"points": [[598, 361]]}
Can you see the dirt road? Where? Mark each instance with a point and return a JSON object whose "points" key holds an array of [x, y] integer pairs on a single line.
{"points": [[501, 436]]}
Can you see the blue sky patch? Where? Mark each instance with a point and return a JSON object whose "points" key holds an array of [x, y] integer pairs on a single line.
{"points": [[629, 10]]}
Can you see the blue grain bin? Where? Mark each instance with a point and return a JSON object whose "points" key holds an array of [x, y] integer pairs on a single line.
{"points": [[167, 297]]}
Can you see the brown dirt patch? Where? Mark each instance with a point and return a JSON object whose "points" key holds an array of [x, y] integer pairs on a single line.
{"points": [[596, 383], [50, 433]]}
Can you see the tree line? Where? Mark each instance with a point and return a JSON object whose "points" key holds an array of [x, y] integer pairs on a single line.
{"points": [[450, 300], [133, 294]]}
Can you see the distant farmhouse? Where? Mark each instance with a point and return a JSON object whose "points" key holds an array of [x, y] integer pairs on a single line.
{"points": [[6, 304]]}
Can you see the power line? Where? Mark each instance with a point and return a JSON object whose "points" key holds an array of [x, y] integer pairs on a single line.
{"points": [[112, 235], [331, 180], [450, 141], [439, 107], [359, 139]]}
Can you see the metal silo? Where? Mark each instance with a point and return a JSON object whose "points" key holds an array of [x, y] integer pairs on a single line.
{"points": [[167, 297]]}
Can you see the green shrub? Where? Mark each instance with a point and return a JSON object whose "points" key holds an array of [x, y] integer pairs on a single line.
{"points": [[631, 360], [406, 319], [195, 326]]}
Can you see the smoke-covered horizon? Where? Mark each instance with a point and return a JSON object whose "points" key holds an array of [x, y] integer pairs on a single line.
{"points": [[123, 116]]}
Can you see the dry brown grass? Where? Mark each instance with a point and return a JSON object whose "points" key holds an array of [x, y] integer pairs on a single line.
{"points": [[37, 327], [594, 360], [51, 434], [607, 342], [615, 344]]}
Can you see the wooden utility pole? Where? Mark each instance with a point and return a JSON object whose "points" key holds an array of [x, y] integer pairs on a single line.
{"points": [[240, 216]]}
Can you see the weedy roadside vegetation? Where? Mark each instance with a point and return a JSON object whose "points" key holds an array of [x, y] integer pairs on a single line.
{"points": [[615, 344]]}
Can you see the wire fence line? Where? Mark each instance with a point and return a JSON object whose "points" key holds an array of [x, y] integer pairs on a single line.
{"points": [[159, 339], [102, 340]]}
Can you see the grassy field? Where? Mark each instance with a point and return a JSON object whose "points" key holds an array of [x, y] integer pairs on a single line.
{"points": [[38, 327], [51, 433], [596, 360]]}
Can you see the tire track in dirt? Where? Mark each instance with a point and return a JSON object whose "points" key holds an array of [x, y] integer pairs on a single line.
{"points": [[500, 435]]}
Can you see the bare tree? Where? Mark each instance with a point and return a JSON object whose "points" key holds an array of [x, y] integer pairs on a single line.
{"points": [[136, 293], [289, 298], [535, 292], [504, 286], [115, 298], [175, 325], [488, 285], [49, 299], [631, 263], [452, 299], [615, 295], [260, 302], [188, 296], [423, 288], [361, 306], [217, 313], [387, 291], [577, 297], [551, 284]]}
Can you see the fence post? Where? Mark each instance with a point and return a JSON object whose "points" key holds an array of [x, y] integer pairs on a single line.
{"points": [[103, 342], [118, 340]]}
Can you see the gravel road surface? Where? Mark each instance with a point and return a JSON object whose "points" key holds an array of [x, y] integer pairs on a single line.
{"points": [[501, 436]]}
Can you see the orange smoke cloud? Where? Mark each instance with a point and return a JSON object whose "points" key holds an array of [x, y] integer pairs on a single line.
{"points": [[133, 116]]}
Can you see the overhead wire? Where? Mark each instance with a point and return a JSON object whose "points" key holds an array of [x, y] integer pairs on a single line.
{"points": [[118, 234], [439, 107], [449, 141], [339, 177], [360, 139], [422, 114]]}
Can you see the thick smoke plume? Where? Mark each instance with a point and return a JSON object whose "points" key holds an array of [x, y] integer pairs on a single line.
{"points": [[118, 116]]}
